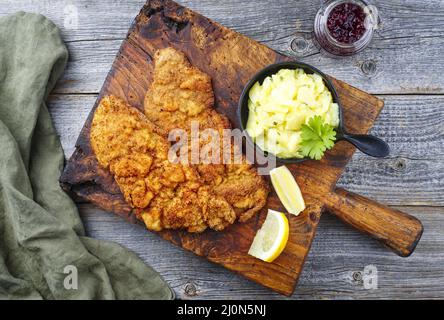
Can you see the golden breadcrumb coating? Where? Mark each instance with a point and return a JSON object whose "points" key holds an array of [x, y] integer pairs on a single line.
{"points": [[165, 195], [180, 94], [134, 147]]}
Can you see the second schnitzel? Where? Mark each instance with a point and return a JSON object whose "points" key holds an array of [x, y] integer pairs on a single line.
{"points": [[181, 94]]}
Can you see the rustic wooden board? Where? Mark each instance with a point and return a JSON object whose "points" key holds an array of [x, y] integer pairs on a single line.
{"points": [[413, 175], [230, 59]]}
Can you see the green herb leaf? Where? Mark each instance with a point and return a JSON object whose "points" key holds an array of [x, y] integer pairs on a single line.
{"points": [[317, 137]]}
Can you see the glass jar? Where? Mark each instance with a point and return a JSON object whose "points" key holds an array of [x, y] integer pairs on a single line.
{"points": [[346, 39]]}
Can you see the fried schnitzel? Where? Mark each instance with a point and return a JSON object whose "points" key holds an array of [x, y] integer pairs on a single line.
{"points": [[180, 94], [165, 195], [127, 144], [134, 147]]}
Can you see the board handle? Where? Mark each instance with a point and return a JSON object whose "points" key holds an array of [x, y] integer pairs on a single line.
{"points": [[395, 229]]}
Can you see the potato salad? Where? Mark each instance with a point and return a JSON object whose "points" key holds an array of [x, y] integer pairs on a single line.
{"points": [[283, 105]]}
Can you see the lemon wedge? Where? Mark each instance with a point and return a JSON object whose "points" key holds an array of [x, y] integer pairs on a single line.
{"points": [[287, 190], [272, 238]]}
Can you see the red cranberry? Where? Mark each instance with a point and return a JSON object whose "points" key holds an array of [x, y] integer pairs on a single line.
{"points": [[346, 22]]}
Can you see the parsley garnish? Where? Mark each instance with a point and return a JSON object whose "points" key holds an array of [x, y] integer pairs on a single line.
{"points": [[317, 137]]}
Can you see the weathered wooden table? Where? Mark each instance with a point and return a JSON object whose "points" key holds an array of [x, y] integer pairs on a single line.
{"points": [[404, 66]]}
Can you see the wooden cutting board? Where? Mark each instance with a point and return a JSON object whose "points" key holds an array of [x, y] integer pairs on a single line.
{"points": [[231, 60]]}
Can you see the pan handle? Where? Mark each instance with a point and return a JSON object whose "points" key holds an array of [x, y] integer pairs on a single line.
{"points": [[395, 229], [368, 144]]}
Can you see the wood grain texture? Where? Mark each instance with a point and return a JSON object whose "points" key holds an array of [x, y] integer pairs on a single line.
{"points": [[231, 60], [411, 36], [395, 229], [333, 270], [407, 54]]}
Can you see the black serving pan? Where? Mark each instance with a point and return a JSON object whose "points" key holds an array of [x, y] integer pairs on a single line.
{"points": [[368, 144]]}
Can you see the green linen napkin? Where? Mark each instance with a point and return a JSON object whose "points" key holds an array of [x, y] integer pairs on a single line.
{"points": [[42, 241]]}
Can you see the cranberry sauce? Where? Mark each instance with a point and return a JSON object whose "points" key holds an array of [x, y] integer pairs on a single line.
{"points": [[346, 22]]}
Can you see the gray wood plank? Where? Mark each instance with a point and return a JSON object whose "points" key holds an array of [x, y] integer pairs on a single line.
{"points": [[407, 54], [81, 20], [333, 270], [411, 36], [412, 125]]}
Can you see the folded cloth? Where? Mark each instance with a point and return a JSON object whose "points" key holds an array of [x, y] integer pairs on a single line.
{"points": [[44, 253]]}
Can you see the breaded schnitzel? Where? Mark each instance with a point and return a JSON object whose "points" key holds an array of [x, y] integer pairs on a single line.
{"points": [[165, 195], [127, 144], [180, 94], [134, 147]]}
